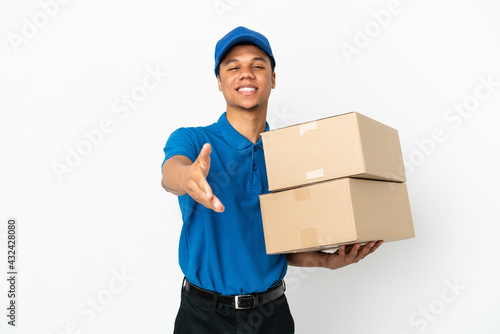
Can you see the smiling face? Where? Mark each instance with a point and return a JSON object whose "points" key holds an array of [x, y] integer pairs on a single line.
{"points": [[246, 78]]}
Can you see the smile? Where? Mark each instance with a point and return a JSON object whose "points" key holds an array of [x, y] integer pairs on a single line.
{"points": [[246, 89]]}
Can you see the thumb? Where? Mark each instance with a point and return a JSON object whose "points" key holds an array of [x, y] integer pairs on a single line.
{"points": [[204, 156]]}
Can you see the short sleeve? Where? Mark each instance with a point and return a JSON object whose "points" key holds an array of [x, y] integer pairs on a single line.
{"points": [[181, 142]]}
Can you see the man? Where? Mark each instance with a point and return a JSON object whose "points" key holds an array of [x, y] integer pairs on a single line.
{"points": [[218, 172]]}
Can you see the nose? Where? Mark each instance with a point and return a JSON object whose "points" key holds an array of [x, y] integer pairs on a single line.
{"points": [[246, 73]]}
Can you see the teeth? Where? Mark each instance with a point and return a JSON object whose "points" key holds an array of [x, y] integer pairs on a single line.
{"points": [[246, 89]]}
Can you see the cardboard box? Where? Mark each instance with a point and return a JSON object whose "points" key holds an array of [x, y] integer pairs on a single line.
{"points": [[327, 214], [348, 145]]}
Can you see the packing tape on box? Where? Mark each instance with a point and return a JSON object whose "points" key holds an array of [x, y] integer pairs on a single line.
{"points": [[306, 127], [302, 194], [314, 174], [309, 237]]}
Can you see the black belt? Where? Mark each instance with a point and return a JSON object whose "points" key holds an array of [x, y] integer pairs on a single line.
{"points": [[238, 302]]}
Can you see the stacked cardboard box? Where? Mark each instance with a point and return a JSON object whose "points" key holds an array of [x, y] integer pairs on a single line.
{"points": [[337, 180]]}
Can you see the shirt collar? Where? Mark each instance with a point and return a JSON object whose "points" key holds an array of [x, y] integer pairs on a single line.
{"points": [[235, 139]]}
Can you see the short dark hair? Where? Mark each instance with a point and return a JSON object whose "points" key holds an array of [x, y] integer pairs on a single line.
{"points": [[217, 70]]}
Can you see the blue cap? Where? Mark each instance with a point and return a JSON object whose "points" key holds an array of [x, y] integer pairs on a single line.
{"points": [[237, 35]]}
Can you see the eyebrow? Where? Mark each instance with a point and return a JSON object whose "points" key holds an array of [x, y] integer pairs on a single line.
{"points": [[236, 60]]}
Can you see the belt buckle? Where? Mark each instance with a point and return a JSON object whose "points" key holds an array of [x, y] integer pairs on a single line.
{"points": [[237, 302]]}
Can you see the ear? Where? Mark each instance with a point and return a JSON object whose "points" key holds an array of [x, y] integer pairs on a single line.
{"points": [[273, 80], [219, 83]]}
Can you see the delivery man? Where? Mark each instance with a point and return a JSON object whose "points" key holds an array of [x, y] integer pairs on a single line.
{"points": [[231, 285]]}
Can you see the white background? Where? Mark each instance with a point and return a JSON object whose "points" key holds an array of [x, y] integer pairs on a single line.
{"points": [[109, 214]]}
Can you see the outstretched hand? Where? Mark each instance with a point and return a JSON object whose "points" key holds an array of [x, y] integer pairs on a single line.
{"points": [[195, 181]]}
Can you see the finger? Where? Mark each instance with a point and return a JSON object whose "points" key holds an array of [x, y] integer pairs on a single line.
{"points": [[206, 187], [365, 250], [348, 248], [217, 205], [341, 251], [206, 197], [354, 252], [198, 181], [199, 189], [377, 245], [214, 203]]}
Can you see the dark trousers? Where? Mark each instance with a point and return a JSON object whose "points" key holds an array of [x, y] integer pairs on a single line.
{"points": [[199, 316]]}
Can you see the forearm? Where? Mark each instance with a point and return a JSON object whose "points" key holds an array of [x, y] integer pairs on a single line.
{"points": [[307, 259], [173, 174]]}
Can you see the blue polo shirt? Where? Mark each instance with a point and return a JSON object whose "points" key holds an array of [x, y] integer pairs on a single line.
{"points": [[225, 252]]}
